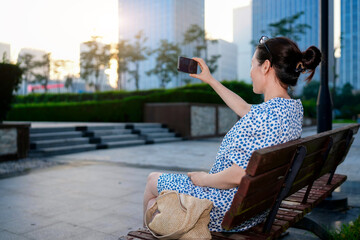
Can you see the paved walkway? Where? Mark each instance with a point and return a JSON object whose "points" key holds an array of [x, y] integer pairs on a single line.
{"points": [[98, 194]]}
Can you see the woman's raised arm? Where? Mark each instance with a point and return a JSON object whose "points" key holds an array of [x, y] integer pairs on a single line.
{"points": [[234, 101]]}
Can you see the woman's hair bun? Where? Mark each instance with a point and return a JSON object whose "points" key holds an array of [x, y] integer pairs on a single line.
{"points": [[311, 58]]}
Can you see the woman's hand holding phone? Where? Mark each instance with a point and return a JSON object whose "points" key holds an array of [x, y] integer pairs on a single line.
{"points": [[205, 74]]}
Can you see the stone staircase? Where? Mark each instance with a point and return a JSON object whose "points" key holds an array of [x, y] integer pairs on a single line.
{"points": [[48, 141]]}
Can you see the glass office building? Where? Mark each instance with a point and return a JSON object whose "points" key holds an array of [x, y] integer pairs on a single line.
{"points": [[158, 19], [350, 57]]}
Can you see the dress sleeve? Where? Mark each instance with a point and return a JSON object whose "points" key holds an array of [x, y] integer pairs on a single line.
{"points": [[261, 129]]}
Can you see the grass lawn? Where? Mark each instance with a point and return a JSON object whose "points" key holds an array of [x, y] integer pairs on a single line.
{"points": [[344, 121], [349, 231]]}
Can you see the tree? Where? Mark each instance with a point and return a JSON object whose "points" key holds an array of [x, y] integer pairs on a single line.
{"points": [[57, 68], [122, 58], [311, 90], [166, 62], [69, 82], [195, 34], [44, 67], [27, 65], [94, 60], [286, 27], [137, 53]]}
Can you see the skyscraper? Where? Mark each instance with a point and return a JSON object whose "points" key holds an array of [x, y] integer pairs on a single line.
{"points": [[158, 19], [227, 63], [266, 12], [242, 31], [350, 56]]}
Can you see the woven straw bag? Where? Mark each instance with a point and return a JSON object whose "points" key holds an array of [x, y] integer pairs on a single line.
{"points": [[179, 216]]}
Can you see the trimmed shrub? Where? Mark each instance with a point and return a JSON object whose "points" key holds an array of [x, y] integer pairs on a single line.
{"points": [[116, 106], [241, 88], [10, 76], [309, 108], [126, 110]]}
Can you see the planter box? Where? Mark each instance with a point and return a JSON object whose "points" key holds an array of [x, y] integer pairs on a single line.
{"points": [[14, 141], [192, 120]]}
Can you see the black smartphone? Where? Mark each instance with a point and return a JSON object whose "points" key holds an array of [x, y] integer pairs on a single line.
{"points": [[187, 65]]}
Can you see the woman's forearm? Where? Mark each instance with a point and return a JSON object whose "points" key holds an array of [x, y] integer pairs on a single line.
{"points": [[229, 178], [234, 101]]}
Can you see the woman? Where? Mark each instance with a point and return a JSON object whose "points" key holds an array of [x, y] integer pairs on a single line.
{"points": [[276, 65]]}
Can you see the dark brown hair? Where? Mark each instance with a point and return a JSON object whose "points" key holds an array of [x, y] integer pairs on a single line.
{"points": [[287, 59]]}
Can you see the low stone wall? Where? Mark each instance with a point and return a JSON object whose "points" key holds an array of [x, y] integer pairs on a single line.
{"points": [[14, 141], [192, 120]]}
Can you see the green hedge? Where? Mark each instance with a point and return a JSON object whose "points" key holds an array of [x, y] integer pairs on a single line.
{"points": [[10, 77], [309, 108], [126, 110], [241, 88], [80, 97]]}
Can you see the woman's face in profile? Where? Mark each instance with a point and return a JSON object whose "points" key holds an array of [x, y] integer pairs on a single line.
{"points": [[256, 74]]}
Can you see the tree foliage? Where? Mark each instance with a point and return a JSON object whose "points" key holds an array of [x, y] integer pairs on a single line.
{"points": [[43, 75], [94, 61], [198, 36], [26, 64], [166, 62], [122, 58], [286, 27], [137, 53]]}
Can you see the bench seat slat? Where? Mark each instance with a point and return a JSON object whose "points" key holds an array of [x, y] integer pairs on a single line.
{"points": [[284, 217], [282, 223]]}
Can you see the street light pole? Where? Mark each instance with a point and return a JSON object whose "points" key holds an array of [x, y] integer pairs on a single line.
{"points": [[324, 103]]}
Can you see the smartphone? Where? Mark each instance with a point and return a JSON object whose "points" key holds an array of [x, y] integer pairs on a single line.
{"points": [[187, 65]]}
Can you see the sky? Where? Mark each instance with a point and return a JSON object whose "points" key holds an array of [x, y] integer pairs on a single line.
{"points": [[59, 26]]}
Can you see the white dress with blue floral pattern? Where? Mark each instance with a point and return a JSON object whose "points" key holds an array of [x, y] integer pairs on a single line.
{"points": [[275, 121]]}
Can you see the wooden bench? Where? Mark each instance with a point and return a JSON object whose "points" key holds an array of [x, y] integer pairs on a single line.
{"points": [[288, 179]]}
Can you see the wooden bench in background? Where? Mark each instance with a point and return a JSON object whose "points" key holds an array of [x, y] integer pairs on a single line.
{"points": [[288, 179]]}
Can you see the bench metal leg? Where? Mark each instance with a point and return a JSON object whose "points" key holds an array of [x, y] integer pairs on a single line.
{"points": [[312, 226]]}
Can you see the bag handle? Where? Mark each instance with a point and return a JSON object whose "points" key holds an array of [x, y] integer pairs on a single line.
{"points": [[175, 235]]}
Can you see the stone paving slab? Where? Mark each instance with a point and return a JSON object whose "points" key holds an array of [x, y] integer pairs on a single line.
{"points": [[184, 155]]}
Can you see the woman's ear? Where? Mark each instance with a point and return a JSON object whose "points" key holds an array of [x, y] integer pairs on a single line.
{"points": [[265, 67]]}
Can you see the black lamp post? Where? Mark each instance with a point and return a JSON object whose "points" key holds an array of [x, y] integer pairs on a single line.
{"points": [[324, 103]]}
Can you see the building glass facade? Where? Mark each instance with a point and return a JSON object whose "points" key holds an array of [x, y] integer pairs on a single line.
{"points": [[158, 19], [350, 57]]}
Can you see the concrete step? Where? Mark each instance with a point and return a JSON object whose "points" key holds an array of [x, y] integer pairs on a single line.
{"points": [[124, 143], [114, 138], [100, 133], [145, 125], [159, 135], [106, 127], [150, 130], [63, 150], [54, 135], [58, 142], [52, 129], [164, 140]]}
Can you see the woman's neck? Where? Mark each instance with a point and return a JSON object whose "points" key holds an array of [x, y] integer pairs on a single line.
{"points": [[276, 91]]}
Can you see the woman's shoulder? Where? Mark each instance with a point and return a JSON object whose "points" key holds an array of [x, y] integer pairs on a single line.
{"points": [[278, 105], [276, 108]]}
